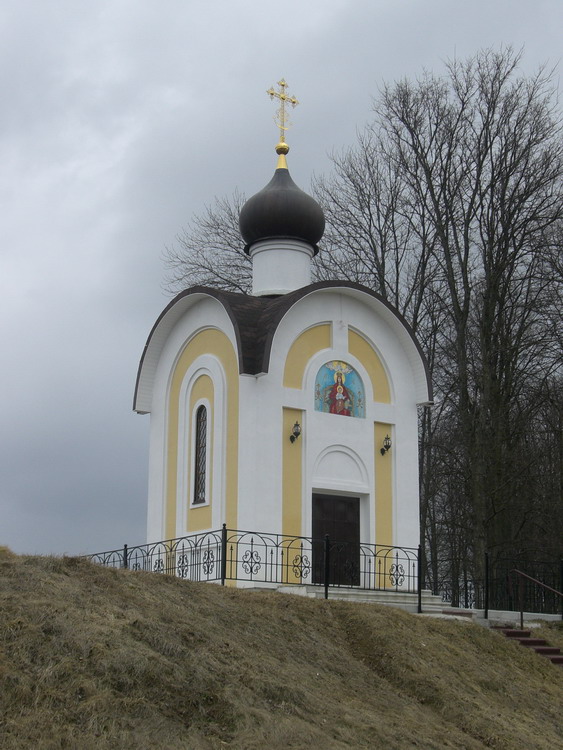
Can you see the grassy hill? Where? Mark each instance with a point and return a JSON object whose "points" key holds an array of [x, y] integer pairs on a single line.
{"points": [[95, 658]]}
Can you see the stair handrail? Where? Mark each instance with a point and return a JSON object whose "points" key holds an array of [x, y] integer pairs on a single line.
{"points": [[521, 575]]}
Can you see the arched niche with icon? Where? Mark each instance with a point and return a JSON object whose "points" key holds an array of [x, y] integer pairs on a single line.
{"points": [[339, 390]]}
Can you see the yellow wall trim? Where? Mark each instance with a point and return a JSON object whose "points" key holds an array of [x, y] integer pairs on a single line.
{"points": [[383, 486], [306, 345], [292, 474], [360, 348], [214, 342]]}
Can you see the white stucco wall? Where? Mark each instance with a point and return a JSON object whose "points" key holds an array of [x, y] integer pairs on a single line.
{"points": [[280, 266], [338, 451]]}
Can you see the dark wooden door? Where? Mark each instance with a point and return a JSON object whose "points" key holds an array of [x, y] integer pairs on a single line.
{"points": [[339, 517]]}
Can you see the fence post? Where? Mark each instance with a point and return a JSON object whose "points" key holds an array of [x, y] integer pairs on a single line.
{"points": [[125, 560], [420, 580], [486, 585], [223, 554], [521, 597], [422, 557], [327, 564]]}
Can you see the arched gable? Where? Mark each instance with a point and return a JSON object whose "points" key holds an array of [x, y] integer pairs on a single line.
{"points": [[276, 310]]}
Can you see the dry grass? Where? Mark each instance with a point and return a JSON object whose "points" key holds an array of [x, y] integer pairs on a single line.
{"points": [[94, 658], [552, 632]]}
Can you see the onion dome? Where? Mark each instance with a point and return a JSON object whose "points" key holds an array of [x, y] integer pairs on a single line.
{"points": [[281, 210]]}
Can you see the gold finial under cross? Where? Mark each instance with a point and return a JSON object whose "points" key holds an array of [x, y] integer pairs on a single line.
{"points": [[280, 118]]}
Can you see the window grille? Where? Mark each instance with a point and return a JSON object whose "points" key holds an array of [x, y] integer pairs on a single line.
{"points": [[200, 455]]}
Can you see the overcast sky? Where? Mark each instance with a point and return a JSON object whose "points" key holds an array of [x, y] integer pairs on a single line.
{"points": [[121, 119]]}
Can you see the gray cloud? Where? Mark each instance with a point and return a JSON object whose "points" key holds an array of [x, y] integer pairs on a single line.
{"points": [[120, 119]]}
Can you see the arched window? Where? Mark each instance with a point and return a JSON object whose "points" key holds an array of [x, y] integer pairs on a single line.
{"points": [[200, 463]]}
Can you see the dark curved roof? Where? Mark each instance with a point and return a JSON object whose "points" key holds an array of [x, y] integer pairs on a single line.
{"points": [[255, 320], [281, 210]]}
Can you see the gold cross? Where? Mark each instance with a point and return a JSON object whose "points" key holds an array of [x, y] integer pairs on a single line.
{"points": [[280, 118]]}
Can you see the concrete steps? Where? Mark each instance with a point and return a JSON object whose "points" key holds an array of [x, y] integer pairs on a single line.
{"points": [[431, 604], [539, 645]]}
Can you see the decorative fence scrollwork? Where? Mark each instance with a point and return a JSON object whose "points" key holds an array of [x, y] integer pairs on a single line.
{"points": [[208, 562], [396, 575], [301, 567], [251, 562], [182, 566]]}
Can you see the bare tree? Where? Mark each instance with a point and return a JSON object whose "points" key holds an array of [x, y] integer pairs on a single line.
{"points": [[480, 156], [210, 251]]}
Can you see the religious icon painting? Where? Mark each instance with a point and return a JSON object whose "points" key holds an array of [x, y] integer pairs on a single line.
{"points": [[339, 390]]}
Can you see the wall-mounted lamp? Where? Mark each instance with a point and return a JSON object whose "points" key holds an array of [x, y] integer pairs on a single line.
{"points": [[296, 431], [386, 445]]}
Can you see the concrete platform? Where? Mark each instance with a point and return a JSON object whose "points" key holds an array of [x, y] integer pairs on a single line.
{"points": [[389, 598], [509, 619], [432, 604]]}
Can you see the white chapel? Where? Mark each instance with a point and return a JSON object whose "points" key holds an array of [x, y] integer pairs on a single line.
{"points": [[291, 410]]}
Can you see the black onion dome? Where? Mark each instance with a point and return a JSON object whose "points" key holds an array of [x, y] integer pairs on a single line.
{"points": [[281, 210]]}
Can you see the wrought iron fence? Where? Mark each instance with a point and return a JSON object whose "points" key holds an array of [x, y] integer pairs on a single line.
{"points": [[278, 558], [468, 594], [498, 591], [196, 557], [250, 556], [504, 590]]}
